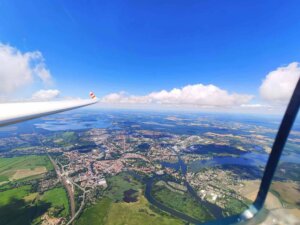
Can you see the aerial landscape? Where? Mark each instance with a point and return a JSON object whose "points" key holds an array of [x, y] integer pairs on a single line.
{"points": [[129, 112], [146, 167]]}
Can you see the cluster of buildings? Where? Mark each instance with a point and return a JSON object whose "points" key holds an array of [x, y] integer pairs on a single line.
{"points": [[80, 169], [117, 152], [110, 167], [143, 151], [215, 185]]}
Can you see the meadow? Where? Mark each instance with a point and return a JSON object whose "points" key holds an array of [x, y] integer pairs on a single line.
{"points": [[107, 212], [234, 206], [14, 209], [21, 206], [19, 201], [112, 210], [24, 166], [117, 185], [58, 199], [182, 202]]}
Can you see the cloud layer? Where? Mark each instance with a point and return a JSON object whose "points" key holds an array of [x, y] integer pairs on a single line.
{"points": [[19, 69], [45, 94], [279, 84], [197, 95]]}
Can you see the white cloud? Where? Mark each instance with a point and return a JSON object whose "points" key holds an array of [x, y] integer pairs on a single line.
{"points": [[45, 94], [43, 73], [197, 95], [254, 106], [19, 69], [279, 84]]}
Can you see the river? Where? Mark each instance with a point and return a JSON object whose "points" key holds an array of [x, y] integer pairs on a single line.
{"points": [[215, 210]]}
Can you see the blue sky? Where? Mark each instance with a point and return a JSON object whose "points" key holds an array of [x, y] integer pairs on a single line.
{"points": [[145, 46]]}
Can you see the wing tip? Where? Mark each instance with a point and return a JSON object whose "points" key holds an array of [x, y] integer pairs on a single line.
{"points": [[93, 96]]}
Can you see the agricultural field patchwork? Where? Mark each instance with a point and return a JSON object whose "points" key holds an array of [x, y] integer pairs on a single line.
{"points": [[24, 195], [24, 166]]}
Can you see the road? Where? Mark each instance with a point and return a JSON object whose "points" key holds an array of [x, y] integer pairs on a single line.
{"points": [[79, 210], [68, 186]]}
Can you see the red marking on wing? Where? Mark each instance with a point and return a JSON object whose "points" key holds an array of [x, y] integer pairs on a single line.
{"points": [[92, 95]]}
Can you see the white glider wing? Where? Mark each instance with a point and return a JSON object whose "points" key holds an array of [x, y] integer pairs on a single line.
{"points": [[11, 113]]}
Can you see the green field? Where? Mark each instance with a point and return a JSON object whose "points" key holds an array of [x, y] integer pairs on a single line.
{"points": [[15, 210], [3, 178], [24, 162], [58, 199], [17, 193], [65, 138], [234, 206], [112, 210], [25, 166], [96, 214], [20, 206], [120, 183], [107, 212], [182, 202]]}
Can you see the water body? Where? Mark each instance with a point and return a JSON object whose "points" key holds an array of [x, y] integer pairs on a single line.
{"points": [[248, 159], [130, 196], [165, 208], [180, 165], [149, 183], [291, 157], [72, 124], [212, 148], [215, 210]]}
